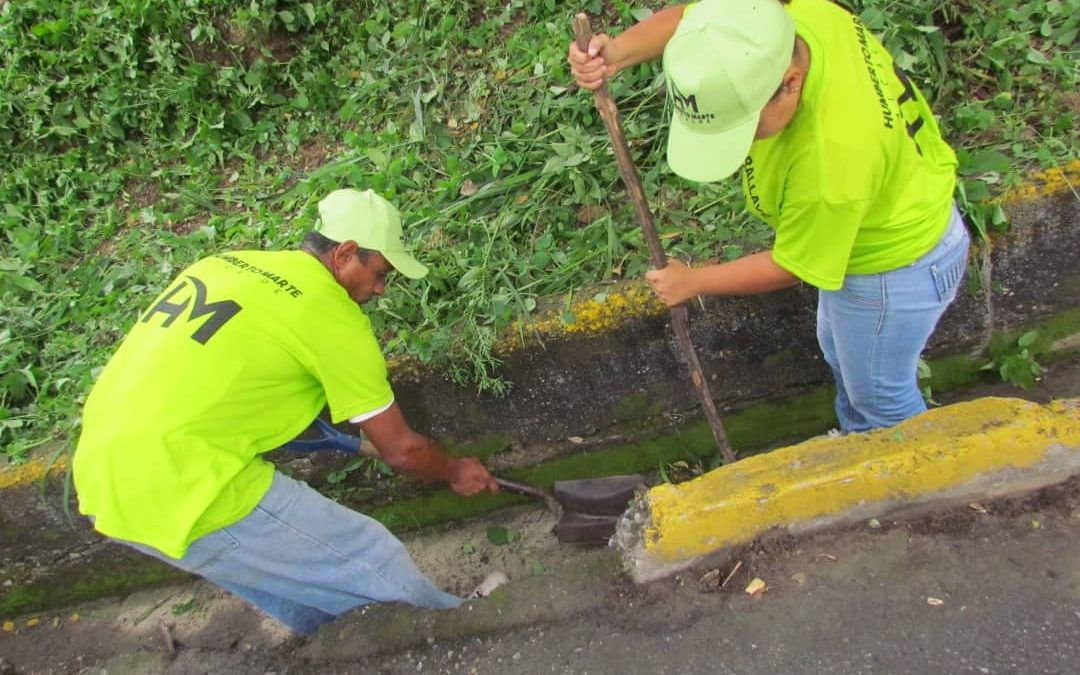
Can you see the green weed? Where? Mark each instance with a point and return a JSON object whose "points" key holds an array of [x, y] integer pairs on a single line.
{"points": [[1016, 363]]}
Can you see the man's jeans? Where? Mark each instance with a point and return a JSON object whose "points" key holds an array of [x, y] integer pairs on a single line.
{"points": [[304, 559], [873, 330]]}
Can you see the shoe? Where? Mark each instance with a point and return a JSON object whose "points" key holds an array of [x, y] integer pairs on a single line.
{"points": [[831, 433], [488, 585]]}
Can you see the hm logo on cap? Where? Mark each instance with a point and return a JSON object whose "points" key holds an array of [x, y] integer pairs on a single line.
{"points": [[683, 103], [687, 106]]}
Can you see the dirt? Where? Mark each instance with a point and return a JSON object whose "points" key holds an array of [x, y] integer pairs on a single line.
{"points": [[202, 621]]}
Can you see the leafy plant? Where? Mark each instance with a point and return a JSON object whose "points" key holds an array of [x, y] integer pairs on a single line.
{"points": [[925, 379], [368, 467], [1017, 363], [501, 536]]}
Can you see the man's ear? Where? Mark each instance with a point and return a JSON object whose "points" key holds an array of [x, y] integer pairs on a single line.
{"points": [[341, 253]]}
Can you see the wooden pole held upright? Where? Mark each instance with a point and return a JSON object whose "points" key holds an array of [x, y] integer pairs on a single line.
{"points": [[679, 316]]}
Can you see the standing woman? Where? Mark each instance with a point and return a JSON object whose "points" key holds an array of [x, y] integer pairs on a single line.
{"points": [[841, 156]]}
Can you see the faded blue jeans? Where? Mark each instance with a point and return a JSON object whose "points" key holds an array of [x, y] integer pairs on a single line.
{"points": [[305, 559], [873, 330]]}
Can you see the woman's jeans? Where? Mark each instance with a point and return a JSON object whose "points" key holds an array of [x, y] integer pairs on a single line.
{"points": [[304, 559], [873, 330]]}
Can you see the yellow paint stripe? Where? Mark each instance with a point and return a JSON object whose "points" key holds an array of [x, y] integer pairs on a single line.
{"points": [[941, 449], [33, 470], [1045, 183]]}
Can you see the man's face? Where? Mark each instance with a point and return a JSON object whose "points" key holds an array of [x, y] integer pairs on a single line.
{"points": [[361, 278]]}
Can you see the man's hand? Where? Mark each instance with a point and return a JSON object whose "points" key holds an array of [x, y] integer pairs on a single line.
{"points": [[674, 284], [412, 453], [590, 68], [471, 477]]}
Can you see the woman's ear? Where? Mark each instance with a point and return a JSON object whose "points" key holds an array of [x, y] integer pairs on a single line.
{"points": [[793, 79]]}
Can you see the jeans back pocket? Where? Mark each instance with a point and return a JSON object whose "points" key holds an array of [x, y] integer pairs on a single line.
{"points": [[947, 277]]}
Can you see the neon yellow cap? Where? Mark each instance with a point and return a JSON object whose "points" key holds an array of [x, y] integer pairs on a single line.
{"points": [[725, 61], [372, 222]]}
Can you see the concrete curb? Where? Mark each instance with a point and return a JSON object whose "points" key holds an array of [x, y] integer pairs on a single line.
{"points": [[963, 452]]}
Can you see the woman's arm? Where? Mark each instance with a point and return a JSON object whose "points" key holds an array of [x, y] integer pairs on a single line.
{"points": [[644, 41], [749, 275]]}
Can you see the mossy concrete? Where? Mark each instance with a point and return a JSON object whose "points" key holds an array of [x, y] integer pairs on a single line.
{"points": [[115, 571]]}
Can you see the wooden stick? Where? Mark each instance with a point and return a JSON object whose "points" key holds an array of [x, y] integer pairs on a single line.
{"points": [[679, 316]]}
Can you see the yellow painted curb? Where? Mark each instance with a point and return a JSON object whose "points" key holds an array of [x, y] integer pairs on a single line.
{"points": [[989, 445], [30, 472], [1045, 183]]}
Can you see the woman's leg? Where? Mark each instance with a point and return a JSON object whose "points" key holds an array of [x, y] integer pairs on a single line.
{"points": [[846, 414]]}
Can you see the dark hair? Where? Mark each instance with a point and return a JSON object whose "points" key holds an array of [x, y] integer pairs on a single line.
{"points": [[317, 243], [321, 245]]}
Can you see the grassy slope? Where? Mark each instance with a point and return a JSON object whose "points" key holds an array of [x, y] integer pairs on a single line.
{"points": [[139, 135]]}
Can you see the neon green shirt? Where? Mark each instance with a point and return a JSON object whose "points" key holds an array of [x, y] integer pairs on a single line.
{"points": [[236, 357], [860, 181]]}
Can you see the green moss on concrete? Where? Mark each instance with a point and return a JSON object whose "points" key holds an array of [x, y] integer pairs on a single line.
{"points": [[779, 360], [751, 430], [954, 372], [481, 448], [635, 407], [63, 588]]}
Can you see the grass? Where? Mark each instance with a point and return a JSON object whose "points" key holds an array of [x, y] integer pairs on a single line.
{"points": [[139, 135]]}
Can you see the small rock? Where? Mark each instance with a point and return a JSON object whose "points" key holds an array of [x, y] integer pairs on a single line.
{"points": [[755, 586], [874, 523]]}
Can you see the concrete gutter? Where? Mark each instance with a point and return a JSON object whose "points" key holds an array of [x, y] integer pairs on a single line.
{"points": [[965, 452]]}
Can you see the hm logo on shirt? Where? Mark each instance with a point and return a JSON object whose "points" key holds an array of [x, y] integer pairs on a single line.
{"points": [[219, 312]]}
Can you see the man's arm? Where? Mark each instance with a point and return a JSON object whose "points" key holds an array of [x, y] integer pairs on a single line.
{"points": [[407, 451]]}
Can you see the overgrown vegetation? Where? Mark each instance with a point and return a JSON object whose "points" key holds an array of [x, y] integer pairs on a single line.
{"points": [[139, 135]]}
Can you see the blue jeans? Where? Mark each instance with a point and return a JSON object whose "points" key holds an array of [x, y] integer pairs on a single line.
{"points": [[874, 328], [305, 559]]}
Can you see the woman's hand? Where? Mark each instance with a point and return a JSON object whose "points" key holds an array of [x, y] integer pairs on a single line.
{"points": [[591, 68], [674, 284]]}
